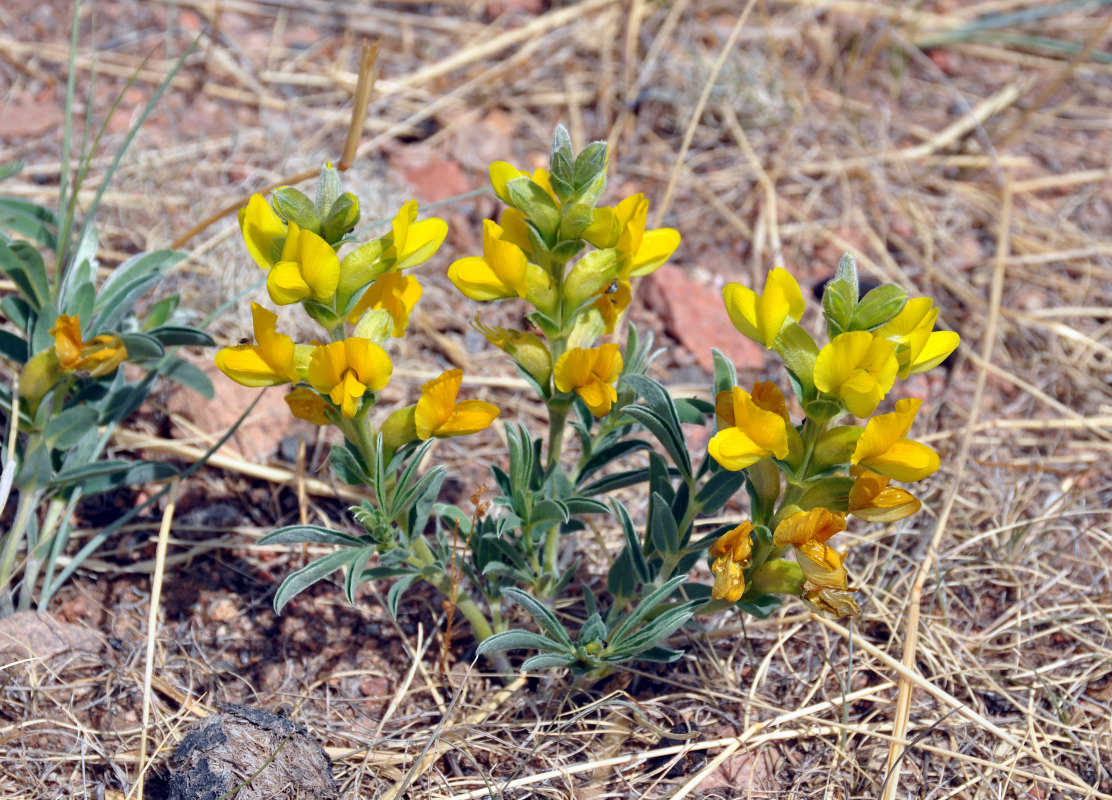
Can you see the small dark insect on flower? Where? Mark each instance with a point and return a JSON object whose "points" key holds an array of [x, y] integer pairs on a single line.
{"points": [[613, 287], [244, 341]]}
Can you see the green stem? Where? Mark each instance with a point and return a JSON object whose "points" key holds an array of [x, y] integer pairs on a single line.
{"points": [[557, 422], [422, 556], [45, 541], [28, 501]]}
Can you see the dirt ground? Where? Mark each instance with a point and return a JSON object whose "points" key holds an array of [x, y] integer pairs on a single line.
{"points": [[958, 148]]}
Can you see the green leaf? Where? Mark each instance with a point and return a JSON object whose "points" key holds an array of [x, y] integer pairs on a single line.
{"points": [[347, 466], [311, 534], [122, 301], [536, 204], [79, 303], [547, 660], [543, 617], [18, 311], [141, 347], [549, 510], [64, 430], [633, 544], [160, 313], [831, 493], [518, 640], [620, 582], [659, 415], [29, 220], [619, 480], [585, 505], [847, 273], [353, 575], [835, 447], [610, 453], [643, 608], [188, 375], [24, 266], [172, 335], [141, 265], [137, 473], [717, 491], [13, 347], [662, 527], [760, 607], [343, 215], [299, 581]]}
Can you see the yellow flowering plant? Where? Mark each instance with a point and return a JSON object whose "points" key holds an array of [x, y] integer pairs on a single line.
{"points": [[570, 261]]}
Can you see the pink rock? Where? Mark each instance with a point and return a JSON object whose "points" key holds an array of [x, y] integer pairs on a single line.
{"points": [[430, 172], [696, 317]]}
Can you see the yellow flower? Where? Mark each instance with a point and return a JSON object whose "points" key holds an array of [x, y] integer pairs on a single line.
{"points": [[270, 362], [872, 499], [502, 271], [590, 373], [747, 432], [612, 303], [394, 292], [346, 370], [767, 395], [761, 316], [858, 368], [99, 356], [883, 447], [438, 414], [515, 230], [414, 242], [307, 267], [308, 405], [808, 532], [642, 251], [262, 231], [731, 554], [918, 346]]}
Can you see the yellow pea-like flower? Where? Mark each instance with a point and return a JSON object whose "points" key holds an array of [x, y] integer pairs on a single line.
{"points": [[271, 361], [750, 433], [731, 553], [613, 302], [858, 368], [501, 272], [918, 346], [590, 373], [263, 231], [394, 292], [884, 448], [415, 242], [808, 532], [761, 316], [872, 499], [98, 356], [307, 267], [642, 251], [347, 370], [438, 414]]}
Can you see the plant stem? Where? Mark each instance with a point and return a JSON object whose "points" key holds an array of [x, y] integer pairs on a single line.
{"points": [[557, 421], [422, 556], [50, 528], [28, 500]]}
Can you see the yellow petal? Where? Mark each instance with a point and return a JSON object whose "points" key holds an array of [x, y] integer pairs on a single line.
{"points": [[735, 450], [598, 396], [245, 366], [262, 228], [501, 173], [657, 247], [573, 368], [468, 416], [438, 398], [423, 240], [475, 279], [937, 349], [286, 285], [369, 361], [741, 305], [320, 268], [729, 580]]}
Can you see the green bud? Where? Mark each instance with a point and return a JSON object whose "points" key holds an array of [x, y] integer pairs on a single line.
{"points": [[536, 204], [376, 324], [590, 166], [835, 447], [879, 306], [38, 376], [342, 217], [329, 189], [357, 269], [588, 326], [831, 493], [778, 576], [590, 275], [293, 206]]}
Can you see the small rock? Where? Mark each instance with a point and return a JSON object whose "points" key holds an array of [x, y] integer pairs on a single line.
{"points": [[696, 317], [36, 636]]}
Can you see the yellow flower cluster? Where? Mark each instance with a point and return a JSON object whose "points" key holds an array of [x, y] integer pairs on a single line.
{"points": [[831, 471], [336, 382], [535, 253]]}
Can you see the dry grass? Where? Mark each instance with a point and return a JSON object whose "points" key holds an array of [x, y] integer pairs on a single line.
{"points": [[977, 173]]}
